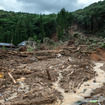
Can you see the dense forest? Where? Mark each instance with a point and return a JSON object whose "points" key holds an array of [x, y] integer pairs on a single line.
{"points": [[17, 27], [92, 18]]}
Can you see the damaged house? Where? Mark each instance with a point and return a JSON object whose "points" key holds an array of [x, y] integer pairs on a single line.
{"points": [[7, 45]]}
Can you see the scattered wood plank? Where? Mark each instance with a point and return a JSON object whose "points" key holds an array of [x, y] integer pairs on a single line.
{"points": [[14, 81], [48, 74], [47, 71], [80, 83]]}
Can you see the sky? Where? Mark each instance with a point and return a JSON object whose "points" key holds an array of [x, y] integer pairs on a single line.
{"points": [[43, 6]]}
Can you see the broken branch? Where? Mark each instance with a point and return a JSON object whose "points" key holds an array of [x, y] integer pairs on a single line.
{"points": [[14, 81]]}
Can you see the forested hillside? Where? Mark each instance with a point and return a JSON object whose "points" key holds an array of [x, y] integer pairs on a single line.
{"points": [[17, 27], [92, 18]]}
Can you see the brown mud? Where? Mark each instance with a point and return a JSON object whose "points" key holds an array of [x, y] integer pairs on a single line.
{"points": [[30, 72]]}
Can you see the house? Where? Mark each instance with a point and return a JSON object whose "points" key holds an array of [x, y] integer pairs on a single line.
{"points": [[29, 44], [7, 45], [24, 43]]}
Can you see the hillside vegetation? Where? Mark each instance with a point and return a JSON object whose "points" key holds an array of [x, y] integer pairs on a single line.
{"points": [[92, 18], [17, 27]]}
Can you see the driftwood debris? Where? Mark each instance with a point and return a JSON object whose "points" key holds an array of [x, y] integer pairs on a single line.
{"points": [[47, 71], [48, 74], [80, 83], [14, 81]]}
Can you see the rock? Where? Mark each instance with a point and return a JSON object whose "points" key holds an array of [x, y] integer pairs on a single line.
{"points": [[88, 85], [59, 55], [34, 59], [94, 81], [84, 90], [69, 59], [66, 91], [74, 91], [70, 42], [86, 79], [22, 49]]}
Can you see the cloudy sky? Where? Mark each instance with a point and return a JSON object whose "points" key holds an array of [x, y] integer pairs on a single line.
{"points": [[43, 6]]}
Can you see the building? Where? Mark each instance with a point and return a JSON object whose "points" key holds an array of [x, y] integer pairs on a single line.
{"points": [[7, 45], [24, 43]]}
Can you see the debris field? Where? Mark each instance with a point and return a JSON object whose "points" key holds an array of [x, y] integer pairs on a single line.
{"points": [[27, 78]]}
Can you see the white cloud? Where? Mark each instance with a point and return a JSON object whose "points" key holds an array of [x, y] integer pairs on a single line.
{"points": [[87, 2], [43, 6], [1, 8], [11, 5]]}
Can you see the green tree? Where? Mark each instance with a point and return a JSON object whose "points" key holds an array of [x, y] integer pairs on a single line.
{"points": [[21, 31], [1, 34], [29, 26], [64, 19], [42, 32]]}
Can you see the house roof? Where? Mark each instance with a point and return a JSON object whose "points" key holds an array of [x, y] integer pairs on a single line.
{"points": [[22, 43], [7, 44]]}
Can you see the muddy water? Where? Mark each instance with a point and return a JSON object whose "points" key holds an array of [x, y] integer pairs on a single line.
{"points": [[86, 88]]}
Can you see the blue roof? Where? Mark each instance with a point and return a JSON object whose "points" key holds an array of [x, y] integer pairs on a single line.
{"points": [[22, 43], [6, 44]]}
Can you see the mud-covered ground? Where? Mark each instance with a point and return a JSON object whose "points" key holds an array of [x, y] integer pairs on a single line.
{"points": [[97, 94], [32, 84], [35, 73]]}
